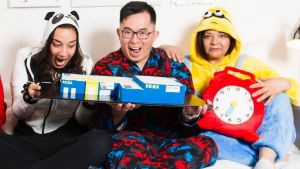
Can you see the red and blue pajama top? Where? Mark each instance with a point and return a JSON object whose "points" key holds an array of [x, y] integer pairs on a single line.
{"points": [[164, 120]]}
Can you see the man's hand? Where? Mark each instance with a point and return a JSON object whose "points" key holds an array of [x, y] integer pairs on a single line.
{"points": [[173, 52], [191, 113], [270, 88], [119, 111]]}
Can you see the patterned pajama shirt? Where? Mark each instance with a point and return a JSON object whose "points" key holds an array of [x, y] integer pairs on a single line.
{"points": [[153, 136]]}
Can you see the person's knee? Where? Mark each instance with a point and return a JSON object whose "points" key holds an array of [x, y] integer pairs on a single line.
{"points": [[282, 98], [99, 142], [211, 146], [281, 105], [100, 136]]}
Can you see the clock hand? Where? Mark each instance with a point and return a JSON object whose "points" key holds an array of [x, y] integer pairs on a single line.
{"points": [[230, 110]]}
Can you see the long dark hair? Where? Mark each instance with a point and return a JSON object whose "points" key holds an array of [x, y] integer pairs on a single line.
{"points": [[40, 62], [201, 49]]}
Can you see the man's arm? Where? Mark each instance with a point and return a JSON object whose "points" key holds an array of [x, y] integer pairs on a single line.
{"points": [[111, 116]]}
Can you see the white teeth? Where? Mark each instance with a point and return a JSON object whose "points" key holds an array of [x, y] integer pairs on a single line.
{"points": [[136, 50], [60, 62]]}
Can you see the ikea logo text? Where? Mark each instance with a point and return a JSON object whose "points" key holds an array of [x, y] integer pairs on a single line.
{"points": [[67, 82], [152, 86]]}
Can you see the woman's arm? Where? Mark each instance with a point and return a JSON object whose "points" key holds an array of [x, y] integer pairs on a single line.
{"points": [[173, 52], [19, 77], [270, 82]]}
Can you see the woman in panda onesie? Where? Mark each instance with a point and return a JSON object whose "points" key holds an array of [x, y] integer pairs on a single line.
{"points": [[51, 133]]}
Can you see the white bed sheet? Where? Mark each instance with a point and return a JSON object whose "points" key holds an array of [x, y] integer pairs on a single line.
{"points": [[292, 163]]}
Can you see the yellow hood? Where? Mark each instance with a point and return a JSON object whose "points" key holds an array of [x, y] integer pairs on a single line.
{"points": [[217, 19], [202, 71]]}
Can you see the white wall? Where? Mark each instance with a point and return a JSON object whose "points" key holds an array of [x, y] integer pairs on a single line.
{"points": [[264, 26]]}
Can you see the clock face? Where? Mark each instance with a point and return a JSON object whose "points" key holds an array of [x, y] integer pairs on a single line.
{"points": [[233, 104]]}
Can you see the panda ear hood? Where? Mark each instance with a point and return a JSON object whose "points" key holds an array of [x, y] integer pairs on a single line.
{"points": [[75, 14], [49, 15], [57, 18]]}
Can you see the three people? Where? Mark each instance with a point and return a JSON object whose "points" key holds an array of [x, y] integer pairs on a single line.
{"points": [[215, 44], [149, 137], [51, 133], [144, 136]]}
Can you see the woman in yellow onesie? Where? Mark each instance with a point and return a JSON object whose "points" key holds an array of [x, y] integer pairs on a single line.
{"points": [[215, 45]]}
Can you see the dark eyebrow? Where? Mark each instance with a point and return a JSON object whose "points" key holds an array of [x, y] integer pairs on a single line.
{"points": [[143, 29], [55, 40], [73, 41]]}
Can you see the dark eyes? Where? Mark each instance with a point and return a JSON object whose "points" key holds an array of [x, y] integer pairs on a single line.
{"points": [[60, 16], [207, 14], [219, 13], [59, 44], [56, 44], [57, 18]]}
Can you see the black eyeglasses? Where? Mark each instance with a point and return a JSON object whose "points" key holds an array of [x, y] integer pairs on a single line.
{"points": [[128, 34], [58, 17]]}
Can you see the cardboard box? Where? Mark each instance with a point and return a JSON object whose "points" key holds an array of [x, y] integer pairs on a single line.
{"points": [[72, 88], [153, 90], [139, 89], [89, 87]]}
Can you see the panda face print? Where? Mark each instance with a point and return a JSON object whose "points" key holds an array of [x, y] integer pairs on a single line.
{"points": [[58, 17]]}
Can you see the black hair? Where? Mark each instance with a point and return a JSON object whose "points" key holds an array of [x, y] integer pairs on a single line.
{"points": [[40, 61], [135, 7], [201, 49]]}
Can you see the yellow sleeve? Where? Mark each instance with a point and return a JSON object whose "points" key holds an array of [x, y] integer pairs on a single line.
{"points": [[262, 70], [293, 92]]}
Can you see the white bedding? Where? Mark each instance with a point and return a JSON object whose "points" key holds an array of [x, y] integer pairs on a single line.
{"points": [[292, 163]]}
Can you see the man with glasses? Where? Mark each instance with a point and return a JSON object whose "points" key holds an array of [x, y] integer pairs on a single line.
{"points": [[145, 136]]}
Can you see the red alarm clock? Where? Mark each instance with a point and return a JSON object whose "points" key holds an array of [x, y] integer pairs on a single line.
{"points": [[234, 112]]}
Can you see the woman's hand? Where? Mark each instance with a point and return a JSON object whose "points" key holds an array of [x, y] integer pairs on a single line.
{"points": [[173, 52], [119, 111], [30, 91], [270, 88], [33, 88]]}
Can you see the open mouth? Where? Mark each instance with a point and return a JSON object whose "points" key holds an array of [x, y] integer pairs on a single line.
{"points": [[59, 63], [135, 51]]}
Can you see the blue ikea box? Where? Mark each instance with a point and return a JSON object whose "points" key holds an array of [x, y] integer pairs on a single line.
{"points": [[72, 89], [139, 89], [152, 90], [90, 87]]}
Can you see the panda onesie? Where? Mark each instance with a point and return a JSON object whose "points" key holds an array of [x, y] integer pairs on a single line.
{"points": [[50, 133]]}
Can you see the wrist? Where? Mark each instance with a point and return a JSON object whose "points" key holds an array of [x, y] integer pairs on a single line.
{"points": [[118, 117], [26, 96], [187, 118], [121, 124], [288, 84], [191, 122], [89, 105]]}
